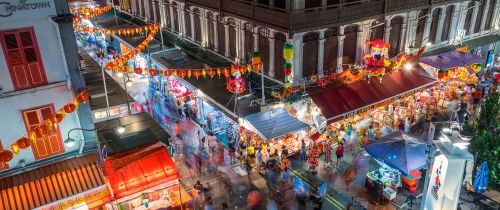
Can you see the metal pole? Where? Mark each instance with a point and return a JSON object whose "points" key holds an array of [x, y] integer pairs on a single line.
{"points": [[161, 37], [116, 19], [126, 91], [105, 90], [262, 85]]}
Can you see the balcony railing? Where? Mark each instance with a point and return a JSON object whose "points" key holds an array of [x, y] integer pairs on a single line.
{"points": [[403, 5], [304, 19]]}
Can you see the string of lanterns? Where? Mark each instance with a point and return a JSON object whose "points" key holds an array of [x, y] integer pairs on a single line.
{"points": [[43, 128], [88, 13], [120, 32], [183, 73], [129, 55]]}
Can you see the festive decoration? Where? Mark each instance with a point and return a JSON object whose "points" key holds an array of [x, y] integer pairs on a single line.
{"points": [[256, 61], [88, 13], [126, 57], [43, 128], [120, 32], [376, 57], [287, 69], [476, 67], [6, 156], [235, 83], [288, 52]]}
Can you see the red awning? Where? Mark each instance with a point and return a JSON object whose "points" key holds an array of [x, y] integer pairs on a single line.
{"points": [[140, 169], [335, 102]]}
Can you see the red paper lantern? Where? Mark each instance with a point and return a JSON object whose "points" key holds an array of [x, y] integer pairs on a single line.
{"points": [[182, 73], [69, 108], [57, 118], [196, 73], [23, 142], [167, 73], [153, 72], [6, 156], [211, 73], [83, 97], [225, 71], [40, 131], [138, 70]]}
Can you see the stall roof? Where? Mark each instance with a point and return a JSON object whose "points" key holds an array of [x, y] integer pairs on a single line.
{"points": [[399, 151], [335, 102], [140, 169], [51, 183], [451, 59], [274, 123]]}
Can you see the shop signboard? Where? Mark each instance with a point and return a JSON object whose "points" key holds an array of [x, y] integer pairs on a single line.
{"points": [[91, 198]]}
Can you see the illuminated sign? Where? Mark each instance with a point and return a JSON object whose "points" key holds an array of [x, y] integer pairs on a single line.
{"points": [[7, 8], [98, 194]]}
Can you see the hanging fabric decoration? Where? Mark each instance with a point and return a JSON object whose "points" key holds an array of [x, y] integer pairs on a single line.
{"points": [[288, 52], [256, 61], [235, 83], [287, 69]]}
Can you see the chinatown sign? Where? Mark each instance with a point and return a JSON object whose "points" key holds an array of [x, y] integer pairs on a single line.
{"points": [[7, 8]]}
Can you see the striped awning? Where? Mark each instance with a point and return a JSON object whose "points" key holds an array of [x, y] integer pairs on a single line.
{"points": [[50, 183], [472, 44]]}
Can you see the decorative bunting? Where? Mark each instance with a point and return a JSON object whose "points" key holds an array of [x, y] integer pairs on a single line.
{"points": [[41, 130]]}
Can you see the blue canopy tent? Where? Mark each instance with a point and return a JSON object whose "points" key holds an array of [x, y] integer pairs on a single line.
{"points": [[481, 180], [273, 123], [399, 151]]}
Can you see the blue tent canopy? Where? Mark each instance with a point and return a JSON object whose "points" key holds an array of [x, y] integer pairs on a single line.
{"points": [[399, 151], [274, 123]]}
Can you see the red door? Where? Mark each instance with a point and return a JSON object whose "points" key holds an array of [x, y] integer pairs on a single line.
{"points": [[52, 143], [23, 58]]}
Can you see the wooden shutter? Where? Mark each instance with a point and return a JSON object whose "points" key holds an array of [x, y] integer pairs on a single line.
{"points": [[23, 57], [15, 60], [49, 145]]}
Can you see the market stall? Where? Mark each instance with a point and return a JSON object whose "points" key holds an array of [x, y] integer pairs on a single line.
{"points": [[275, 129], [144, 178], [401, 158]]}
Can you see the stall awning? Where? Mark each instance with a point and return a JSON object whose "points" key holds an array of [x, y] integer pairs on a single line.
{"points": [[471, 43], [452, 59], [274, 123], [336, 102], [399, 151], [139, 169], [50, 183]]}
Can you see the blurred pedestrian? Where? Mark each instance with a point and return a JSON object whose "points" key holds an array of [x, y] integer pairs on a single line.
{"points": [[340, 153], [303, 152], [224, 206], [209, 204], [328, 148], [178, 129], [258, 160], [231, 152]]}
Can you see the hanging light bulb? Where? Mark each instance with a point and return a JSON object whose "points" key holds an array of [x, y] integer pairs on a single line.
{"points": [[129, 83]]}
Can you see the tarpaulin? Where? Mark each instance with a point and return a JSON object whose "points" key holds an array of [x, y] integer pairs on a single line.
{"points": [[336, 102], [274, 123], [139, 169], [452, 59]]}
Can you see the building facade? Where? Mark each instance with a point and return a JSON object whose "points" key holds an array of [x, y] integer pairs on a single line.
{"points": [[39, 75], [326, 34]]}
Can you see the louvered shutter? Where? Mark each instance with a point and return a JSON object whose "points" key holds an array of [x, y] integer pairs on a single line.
{"points": [[14, 57], [55, 144]]}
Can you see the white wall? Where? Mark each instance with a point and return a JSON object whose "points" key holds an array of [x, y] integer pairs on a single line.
{"points": [[47, 38], [12, 124], [11, 121]]}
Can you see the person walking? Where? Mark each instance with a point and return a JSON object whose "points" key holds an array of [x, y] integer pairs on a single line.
{"points": [[340, 153], [258, 160], [303, 151], [231, 152], [328, 148], [178, 129]]}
